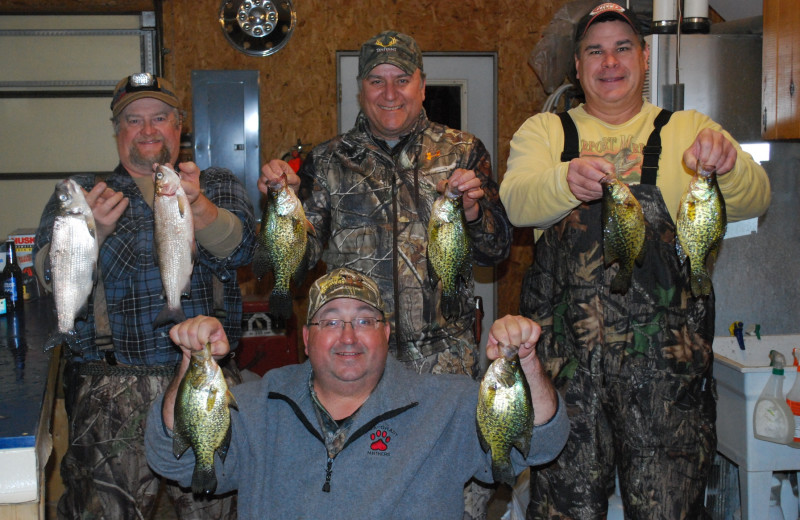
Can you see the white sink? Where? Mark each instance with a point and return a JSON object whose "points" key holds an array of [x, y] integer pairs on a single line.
{"points": [[741, 376]]}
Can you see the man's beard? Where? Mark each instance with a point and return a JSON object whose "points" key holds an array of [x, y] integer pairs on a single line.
{"points": [[146, 162]]}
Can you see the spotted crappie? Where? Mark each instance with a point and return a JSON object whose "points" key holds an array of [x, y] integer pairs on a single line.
{"points": [[72, 260], [281, 245], [449, 258], [505, 413], [203, 418], [175, 244], [700, 228], [623, 231]]}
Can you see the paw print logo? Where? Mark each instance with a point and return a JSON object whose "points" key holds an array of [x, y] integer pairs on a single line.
{"points": [[380, 440]]}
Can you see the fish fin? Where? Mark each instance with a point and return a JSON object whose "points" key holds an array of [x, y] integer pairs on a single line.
{"points": [[168, 315], [261, 262], [231, 399], [83, 311], [204, 479], [484, 443], [310, 227], [211, 399], [523, 441], [182, 206], [682, 256], [280, 303], [179, 444], [222, 450]]}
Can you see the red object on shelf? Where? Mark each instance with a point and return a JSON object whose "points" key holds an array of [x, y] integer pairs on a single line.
{"points": [[263, 345]]}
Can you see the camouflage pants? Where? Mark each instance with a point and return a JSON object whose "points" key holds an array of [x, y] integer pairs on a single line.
{"points": [[658, 437], [105, 472]]}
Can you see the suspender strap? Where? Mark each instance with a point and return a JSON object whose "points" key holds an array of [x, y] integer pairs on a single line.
{"points": [[652, 150], [571, 150]]}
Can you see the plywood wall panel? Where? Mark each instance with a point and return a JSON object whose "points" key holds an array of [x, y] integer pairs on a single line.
{"points": [[298, 83]]}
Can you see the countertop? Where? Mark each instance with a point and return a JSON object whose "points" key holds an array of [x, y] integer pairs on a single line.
{"points": [[27, 388], [23, 371]]}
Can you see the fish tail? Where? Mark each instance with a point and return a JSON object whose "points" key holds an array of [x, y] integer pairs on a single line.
{"points": [[280, 303], [62, 338], [204, 480], [622, 281], [502, 471], [169, 315], [450, 306], [701, 282]]}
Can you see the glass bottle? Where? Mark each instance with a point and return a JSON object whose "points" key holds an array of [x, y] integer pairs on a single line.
{"points": [[12, 279]]}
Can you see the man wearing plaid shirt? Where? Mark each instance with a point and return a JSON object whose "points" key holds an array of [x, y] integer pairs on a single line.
{"points": [[109, 386]]}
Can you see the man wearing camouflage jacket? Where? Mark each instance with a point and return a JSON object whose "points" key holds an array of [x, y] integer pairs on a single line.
{"points": [[369, 193]]}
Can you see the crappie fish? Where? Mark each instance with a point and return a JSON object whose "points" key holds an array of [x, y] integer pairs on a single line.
{"points": [[505, 413], [281, 245], [700, 228], [203, 418], [623, 231], [449, 258], [73, 261], [174, 239]]}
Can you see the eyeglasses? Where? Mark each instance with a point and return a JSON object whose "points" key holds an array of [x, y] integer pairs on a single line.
{"points": [[358, 324]]}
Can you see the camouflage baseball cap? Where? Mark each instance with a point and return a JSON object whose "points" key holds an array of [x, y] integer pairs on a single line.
{"points": [[142, 85], [343, 283], [390, 47]]}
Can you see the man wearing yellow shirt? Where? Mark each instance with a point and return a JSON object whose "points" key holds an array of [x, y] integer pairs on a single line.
{"points": [[633, 368]]}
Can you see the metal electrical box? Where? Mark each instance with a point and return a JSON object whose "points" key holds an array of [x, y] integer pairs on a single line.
{"points": [[225, 110]]}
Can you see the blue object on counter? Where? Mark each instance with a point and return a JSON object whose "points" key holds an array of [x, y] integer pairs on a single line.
{"points": [[737, 329]]}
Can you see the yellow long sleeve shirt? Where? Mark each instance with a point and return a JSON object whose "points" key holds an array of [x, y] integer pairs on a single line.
{"points": [[535, 192]]}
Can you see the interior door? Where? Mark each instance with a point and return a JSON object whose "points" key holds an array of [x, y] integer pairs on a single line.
{"points": [[469, 81]]}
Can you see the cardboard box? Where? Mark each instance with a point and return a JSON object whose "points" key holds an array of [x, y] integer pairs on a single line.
{"points": [[23, 243]]}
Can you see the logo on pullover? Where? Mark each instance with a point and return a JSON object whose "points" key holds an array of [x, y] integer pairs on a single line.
{"points": [[379, 442]]}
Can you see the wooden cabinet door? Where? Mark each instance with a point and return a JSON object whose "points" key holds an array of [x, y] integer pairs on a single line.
{"points": [[781, 70]]}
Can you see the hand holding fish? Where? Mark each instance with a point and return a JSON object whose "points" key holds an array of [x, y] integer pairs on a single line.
{"points": [[272, 173], [194, 333], [107, 207], [711, 148], [584, 177], [204, 212], [518, 330], [469, 185]]}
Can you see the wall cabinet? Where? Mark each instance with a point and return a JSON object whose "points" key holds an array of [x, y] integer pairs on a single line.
{"points": [[781, 70]]}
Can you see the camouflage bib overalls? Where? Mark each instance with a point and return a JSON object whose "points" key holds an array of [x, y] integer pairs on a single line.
{"points": [[634, 370]]}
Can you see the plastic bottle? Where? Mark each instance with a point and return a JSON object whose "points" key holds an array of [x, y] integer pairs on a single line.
{"points": [[12, 279], [793, 400], [773, 420]]}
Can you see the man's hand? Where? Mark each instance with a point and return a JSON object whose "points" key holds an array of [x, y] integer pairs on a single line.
{"points": [[192, 335], [469, 185], [584, 176], [107, 207], [204, 212], [518, 330], [273, 171], [712, 150]]}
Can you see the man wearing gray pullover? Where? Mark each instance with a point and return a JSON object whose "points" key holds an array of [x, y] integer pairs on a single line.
{"points": [[349, 433]]}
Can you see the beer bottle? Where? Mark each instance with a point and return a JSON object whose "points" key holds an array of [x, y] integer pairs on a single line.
{"points": [[12, 279]]}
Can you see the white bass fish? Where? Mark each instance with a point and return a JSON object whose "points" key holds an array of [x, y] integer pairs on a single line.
{"points": [[174, 239], [73, 261]]}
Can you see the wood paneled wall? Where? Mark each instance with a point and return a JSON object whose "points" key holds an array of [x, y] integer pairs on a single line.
{"points": [[298, 83]]}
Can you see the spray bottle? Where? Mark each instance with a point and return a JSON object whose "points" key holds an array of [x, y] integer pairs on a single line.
{"points": [[773, 420], [793, 400]]}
